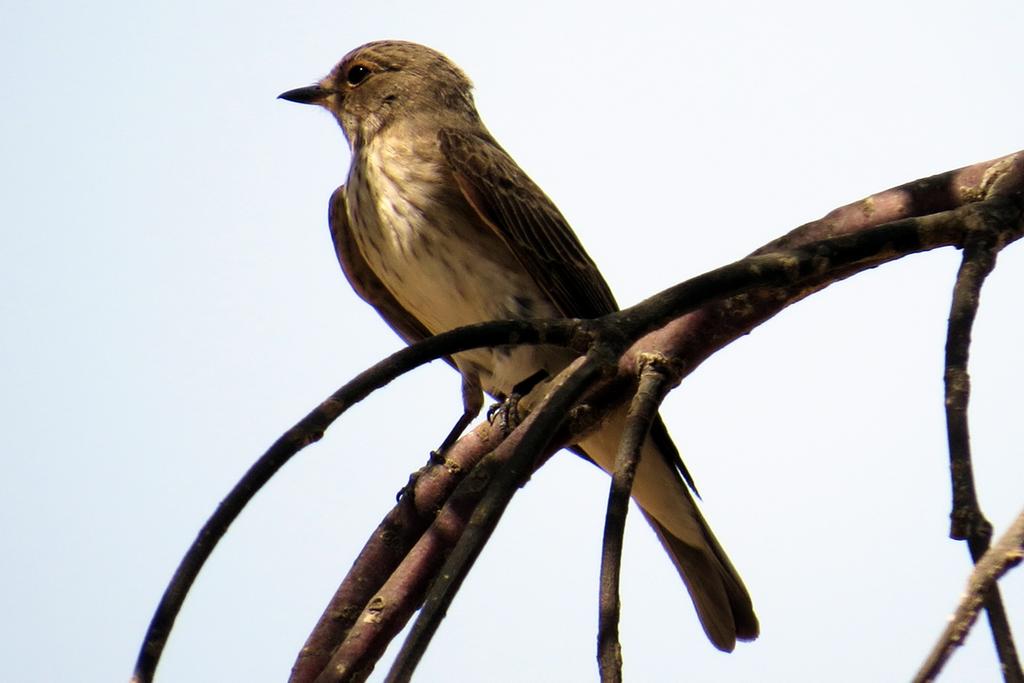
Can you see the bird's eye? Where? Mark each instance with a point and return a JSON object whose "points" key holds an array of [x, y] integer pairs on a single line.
{"points": [[357, 74]]}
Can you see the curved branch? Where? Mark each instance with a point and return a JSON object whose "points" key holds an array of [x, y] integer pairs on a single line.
{"points": [[310, 429], [967, 522], [966, 519]]}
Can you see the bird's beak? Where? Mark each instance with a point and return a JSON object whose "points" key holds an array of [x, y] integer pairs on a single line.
{"points": [[311, 94]]}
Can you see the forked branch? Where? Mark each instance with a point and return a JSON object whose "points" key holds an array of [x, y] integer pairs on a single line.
{"points": [[797, 265], [686, 323]]}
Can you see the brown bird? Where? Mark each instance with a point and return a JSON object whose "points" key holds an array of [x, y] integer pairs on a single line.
{"points": [[437, 227]]}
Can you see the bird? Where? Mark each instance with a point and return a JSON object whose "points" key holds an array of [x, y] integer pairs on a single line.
{"points": [[437, 227]]}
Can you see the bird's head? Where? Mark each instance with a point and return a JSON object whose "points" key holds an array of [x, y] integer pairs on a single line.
{"points": [[381, 82]]}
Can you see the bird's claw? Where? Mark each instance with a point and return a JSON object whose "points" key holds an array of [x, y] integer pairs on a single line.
{"points": [[435, 458], [506, 412]]}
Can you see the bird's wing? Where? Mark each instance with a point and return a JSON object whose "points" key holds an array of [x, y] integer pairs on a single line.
{"points": [[364, 281], [522, 215], [524, 218]]}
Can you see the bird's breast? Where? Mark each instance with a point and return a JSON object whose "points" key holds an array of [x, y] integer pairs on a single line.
{"points": [[437, 257]]}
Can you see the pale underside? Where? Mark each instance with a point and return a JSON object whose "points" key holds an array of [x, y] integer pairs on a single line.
{"points": [[427, 248]]}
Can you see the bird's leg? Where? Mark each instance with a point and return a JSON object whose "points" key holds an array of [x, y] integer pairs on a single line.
{"points": [[507, 409], [472, 402]]}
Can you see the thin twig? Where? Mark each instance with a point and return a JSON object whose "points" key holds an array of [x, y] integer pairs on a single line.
{"points": [[1006, 553], [505, 482], [967, 522], [307, 431], [654, 384]]}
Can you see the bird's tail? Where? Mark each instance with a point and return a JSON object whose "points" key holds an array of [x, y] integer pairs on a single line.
{"points": [[721, 599], [718, 593]]}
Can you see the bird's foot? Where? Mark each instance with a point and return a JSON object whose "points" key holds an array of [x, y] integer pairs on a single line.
{"points": [[507, 410], [505, 413], [436, 458]]}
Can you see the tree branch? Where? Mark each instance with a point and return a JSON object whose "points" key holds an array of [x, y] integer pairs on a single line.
{"points": [[390, 543], [404, 584], [993, 186], [1005, 554], [753, 290], [655, 380], [967, 522], [686, 323], [574, 382], [310, 429]]}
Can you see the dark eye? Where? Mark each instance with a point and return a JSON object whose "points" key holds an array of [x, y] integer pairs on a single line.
{"points": [[357, 74]]}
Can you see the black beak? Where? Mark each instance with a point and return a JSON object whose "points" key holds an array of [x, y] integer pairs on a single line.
{"points": [[311, 94]]}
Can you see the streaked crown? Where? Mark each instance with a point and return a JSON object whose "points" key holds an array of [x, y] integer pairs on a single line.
{"points": [[379, 82]]}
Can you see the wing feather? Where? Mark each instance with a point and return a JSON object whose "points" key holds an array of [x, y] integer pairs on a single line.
{"points": [[519, 212]]}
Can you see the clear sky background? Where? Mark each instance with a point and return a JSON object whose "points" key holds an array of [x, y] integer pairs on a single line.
{"points": [[171, 303]]}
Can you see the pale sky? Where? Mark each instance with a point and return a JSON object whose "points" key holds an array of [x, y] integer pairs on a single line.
{"points": [[172, 304]]}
